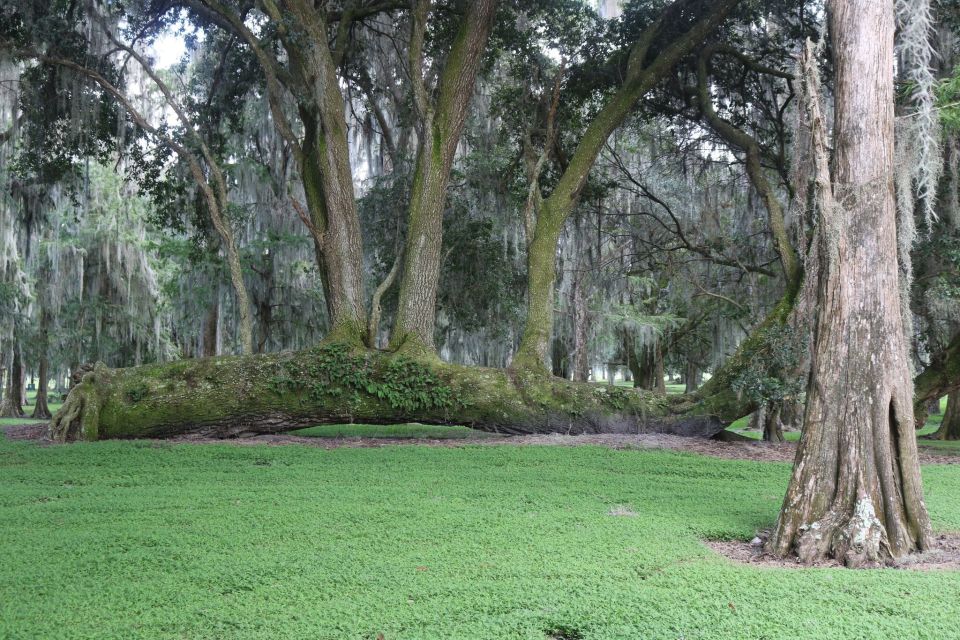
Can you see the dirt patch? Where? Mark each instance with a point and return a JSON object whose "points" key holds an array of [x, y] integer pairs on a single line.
{"points": [[945, 555], [752, 450], [30, 431]]}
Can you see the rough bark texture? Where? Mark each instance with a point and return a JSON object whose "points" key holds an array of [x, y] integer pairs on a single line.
{"points": [[855, 493], [441, 125], [235, 395], [950, 427]]}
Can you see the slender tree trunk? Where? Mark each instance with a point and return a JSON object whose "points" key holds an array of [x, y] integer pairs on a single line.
{"points": [[12, 405], [441, 125], [855, 493], [950, 427], [40, 409], [640, 78], [693, 377], [581, 361], [211, 322], [328, 185]]}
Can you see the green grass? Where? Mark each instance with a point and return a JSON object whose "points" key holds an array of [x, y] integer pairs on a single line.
{"points": [[153, 540], [399, 431], [28, 409], [932, 424]]}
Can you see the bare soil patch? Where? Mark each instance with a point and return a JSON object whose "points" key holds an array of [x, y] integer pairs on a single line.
{"points": [[751, 450], [945, 555]]}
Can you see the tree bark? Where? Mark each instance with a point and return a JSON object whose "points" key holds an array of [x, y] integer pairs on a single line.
{"points": [[939, 379], [693, 377], [855, 493], [441, 124], [211, 322], [12, 404], [950, 427], [581, 361], [40, 409], [232, 396]]}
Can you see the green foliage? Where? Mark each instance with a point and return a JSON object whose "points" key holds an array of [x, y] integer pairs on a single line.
{"points": [[143, 539], [769, 369], [137, 392], [948, 101], [337, 372]]}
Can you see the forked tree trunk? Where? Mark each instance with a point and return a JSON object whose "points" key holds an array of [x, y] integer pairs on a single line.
{"points": [[950, 427], [441, 124], [855, 493]]}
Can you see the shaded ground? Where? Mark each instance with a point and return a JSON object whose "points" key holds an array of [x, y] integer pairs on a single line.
{"points": [[459, 436], [945, 555]]}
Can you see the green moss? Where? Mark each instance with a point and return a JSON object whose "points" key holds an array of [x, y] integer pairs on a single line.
{"points": [[336, 373]]}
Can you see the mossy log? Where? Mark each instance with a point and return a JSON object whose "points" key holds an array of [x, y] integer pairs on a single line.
{"points": [[234, 396]]}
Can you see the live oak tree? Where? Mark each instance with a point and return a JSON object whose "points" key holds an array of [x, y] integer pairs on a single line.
{"points": [[642, 72], [655, 51], [304, 61]]}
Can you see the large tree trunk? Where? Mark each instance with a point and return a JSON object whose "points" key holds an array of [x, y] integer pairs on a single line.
{"points": [[645, 363], [855, 493], [950, 427], [441, 124], [232, 396]]}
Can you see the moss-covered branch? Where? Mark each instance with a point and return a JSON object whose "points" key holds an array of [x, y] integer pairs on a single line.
{"points": [[239, 395]]}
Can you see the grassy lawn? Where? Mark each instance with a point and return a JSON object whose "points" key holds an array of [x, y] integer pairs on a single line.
{"points": [[152, 540], [931, 425], [28, 409]]}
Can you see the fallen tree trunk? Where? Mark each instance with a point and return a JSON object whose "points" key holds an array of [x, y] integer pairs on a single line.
{"points": [[233, 396]]}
